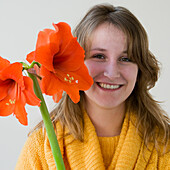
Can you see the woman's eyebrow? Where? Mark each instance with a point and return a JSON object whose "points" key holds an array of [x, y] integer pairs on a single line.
{"points": [[98, 49], [102, 49]]}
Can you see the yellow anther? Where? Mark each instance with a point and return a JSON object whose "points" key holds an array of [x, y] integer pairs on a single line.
{"points": [[12, 101], [70, 79], [65, 79]]}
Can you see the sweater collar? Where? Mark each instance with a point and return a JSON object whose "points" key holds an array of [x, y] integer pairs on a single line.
{"points": [[87, 154]]}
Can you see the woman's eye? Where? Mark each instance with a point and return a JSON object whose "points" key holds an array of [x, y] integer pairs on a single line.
{"points": [[98, 56], [125, 59]]}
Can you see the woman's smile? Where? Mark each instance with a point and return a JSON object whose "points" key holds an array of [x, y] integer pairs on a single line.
{"points": [[108, 86]]}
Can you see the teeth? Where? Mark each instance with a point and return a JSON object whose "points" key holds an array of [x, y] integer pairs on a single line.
{"points": [[107, 86]]}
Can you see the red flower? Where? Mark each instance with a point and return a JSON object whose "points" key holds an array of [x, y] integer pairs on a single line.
{"points": [[62, 60], [15, 91]]}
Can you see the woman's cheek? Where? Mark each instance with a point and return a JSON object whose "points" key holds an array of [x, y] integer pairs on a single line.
{"points": [[94, 68]]}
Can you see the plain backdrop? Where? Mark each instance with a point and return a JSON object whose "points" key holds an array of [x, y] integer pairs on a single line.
{"points": [[20, 22]]}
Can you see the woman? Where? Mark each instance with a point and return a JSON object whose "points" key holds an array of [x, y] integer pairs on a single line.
{"points": [[117, 124]]}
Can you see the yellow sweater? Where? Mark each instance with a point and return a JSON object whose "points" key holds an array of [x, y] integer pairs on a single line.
{"points": [[36, 153], [108, 147]]}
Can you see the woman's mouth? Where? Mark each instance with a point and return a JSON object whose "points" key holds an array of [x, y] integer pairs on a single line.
{"points": [[108, 86]]}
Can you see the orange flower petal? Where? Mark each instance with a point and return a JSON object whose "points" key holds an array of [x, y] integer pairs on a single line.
{"points": [[30, 96], [70, 55], [64, 34], [14, 72], [6, 108], [84, 80], [4, 87], [3, 63], [80, 80], [71, 58], [50, 83], [19, 111], [44, 37], [7, 105], [73, 93], [54, 86], [57, 97], [52, 42], [47, 46], [30, 57]]}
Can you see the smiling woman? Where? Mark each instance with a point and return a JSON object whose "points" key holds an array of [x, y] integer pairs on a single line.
{"points": [[117, 124], [114, 77]]}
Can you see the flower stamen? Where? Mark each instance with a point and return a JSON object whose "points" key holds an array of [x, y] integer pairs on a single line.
{"points": [[65, 79], [10, 102], [70, 79]]}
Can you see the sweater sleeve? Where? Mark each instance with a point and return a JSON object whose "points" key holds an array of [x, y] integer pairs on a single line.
{"points": [[32, 155]]}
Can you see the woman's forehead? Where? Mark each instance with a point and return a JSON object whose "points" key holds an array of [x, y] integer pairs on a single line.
{"points": [[105, 35]]}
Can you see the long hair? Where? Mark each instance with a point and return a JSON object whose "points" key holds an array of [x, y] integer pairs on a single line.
{"points": [[151, 119]]}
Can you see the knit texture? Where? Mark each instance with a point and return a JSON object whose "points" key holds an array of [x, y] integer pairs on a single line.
{"points": [[108, 146], [37, 155]]}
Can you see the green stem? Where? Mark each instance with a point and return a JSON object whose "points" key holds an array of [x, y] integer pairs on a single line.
{"points": [[33, 63], [48, 126]]}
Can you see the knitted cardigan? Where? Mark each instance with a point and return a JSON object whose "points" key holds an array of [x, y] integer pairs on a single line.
{"points": [[129, 154]]}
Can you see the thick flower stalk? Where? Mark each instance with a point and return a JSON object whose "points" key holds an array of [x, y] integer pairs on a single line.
{"points": [[62, 63], [48, 125], [16, 91]]}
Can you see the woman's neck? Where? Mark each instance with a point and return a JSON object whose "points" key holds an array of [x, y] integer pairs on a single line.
{"points": [[107, 122]]}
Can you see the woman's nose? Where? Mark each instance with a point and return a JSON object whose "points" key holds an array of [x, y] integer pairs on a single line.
{"points": [[112, 70]]}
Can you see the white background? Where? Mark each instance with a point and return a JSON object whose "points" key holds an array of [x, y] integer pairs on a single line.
{"points": [[20, 22]]}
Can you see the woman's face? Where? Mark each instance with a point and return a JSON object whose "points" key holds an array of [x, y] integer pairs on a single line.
{"points": [[113, 73]]}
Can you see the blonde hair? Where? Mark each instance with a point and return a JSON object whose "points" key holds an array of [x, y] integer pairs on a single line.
{"points": [[151, 119]]}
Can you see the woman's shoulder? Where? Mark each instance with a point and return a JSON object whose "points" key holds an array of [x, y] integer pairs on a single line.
{"points": [[35, 141], [37, 136], [32, 154]]}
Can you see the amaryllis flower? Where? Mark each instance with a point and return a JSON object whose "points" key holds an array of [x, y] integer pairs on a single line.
{"points": [[15, 91], [62, 63]]}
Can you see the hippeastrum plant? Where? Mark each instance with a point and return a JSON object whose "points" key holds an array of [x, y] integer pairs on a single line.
{"points": [[60, 61]]}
